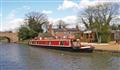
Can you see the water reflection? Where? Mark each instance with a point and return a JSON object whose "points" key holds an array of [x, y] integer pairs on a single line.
{"points": [[23, 57]]}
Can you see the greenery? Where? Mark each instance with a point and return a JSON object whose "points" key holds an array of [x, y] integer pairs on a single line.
{"points": [[26, 33], [98, 19], [33, 25], [115, 27], [44, 35], [77, 36]]}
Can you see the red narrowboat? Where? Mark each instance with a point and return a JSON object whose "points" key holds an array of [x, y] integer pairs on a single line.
{"points": [[63, 43]]}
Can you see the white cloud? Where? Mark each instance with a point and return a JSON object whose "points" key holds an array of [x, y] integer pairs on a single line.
{"points": [[53, 20], [116, 20], [13, 24], [82, 4], [86, 3], [108, 0], [119, 16], [12, 21], [67, 5], [70, 20], [47, 11], [27, 7]]}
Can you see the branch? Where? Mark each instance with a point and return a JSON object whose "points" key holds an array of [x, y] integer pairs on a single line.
{"points": [[85, 23]]}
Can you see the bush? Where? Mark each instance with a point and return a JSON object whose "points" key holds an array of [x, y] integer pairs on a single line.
{"points": [[105, 37], [25, 33]]}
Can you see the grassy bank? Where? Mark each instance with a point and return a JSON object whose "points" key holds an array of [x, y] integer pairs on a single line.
{"points": [[24, 42], [106, 47]]}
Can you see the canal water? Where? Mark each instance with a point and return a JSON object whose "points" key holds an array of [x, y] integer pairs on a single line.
{"points": [[23, 57]]}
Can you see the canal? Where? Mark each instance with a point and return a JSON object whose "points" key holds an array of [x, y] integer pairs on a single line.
{"points": [[23, 57]]}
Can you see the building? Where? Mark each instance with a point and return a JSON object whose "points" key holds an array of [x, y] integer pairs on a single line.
{"points": [[116, 35], [86, 36]]}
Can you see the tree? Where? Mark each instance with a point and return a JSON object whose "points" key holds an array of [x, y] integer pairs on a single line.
{"points": [[23, 33], [26, 33], [61, 24], [33, 25], [98, 19], [115, 27], [35, 20], [118, 27]]}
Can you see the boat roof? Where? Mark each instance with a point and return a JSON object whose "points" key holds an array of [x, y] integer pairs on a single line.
{"points": [[51, 40]]}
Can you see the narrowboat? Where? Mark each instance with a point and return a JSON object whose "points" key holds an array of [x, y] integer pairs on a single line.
{"points": [[61, 43]]}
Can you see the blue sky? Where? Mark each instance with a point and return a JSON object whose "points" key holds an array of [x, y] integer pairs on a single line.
{"points": [[24, 7], [12, 12], [36, 5]]}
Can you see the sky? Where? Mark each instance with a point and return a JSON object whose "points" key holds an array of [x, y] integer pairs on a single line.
{"points": [[12, 12]]}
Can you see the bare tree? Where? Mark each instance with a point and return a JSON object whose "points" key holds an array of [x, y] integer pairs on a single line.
{"points": [[61, 24], [98, 18]]}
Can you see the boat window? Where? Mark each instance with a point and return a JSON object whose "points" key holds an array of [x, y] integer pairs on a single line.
{"points": [[61, 42], [74, 40], [49, 43]]}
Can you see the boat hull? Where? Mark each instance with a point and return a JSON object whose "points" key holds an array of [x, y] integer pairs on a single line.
{"points": [[63, 48]]}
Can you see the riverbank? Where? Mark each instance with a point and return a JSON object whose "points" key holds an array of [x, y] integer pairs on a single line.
{"points": [[23, 42], [106, 47]]}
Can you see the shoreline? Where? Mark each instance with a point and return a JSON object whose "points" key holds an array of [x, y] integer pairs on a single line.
{"points": [[111, 51], [105, 47], [23, 42]]}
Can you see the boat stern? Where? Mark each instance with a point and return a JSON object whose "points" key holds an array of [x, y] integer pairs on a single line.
{"points": [[87, 48]]}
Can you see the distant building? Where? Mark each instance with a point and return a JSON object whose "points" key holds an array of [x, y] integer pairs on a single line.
{"points": [[87, 36], [116, 35]]}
